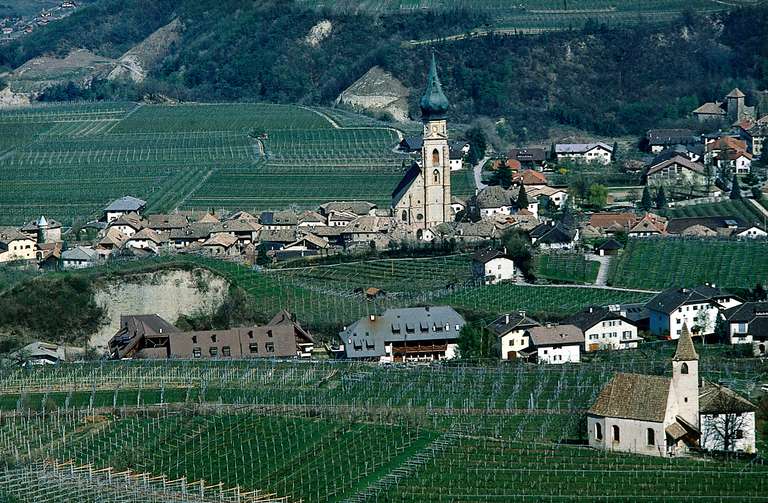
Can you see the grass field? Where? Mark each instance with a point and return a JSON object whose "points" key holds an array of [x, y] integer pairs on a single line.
{"points": [[677, 262], [68, 161], [566, 267]]}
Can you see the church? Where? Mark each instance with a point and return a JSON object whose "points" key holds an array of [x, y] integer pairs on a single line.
{"points": [[422, 199], [662, 416]]}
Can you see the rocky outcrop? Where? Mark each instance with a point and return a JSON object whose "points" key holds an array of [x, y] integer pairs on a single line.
{"points": [[377, 91], [139, 60], [318, 33], [165, 293], [80, 66], [10, 99]]}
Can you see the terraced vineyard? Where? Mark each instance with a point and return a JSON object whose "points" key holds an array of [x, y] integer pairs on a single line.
{"points": [[741, 208], [678, 262], [567, 267], [341, 431], [68, 161]]}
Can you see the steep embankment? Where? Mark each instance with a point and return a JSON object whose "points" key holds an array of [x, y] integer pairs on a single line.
{"points": [[168, 293]]}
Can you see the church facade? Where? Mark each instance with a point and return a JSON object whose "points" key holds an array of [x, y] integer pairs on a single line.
{"points": [[422, 199]]}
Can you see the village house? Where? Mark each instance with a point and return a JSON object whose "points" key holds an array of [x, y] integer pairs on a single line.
{"points": [[79, 257], [755, 135], [278, 220], [612, 223], [341, 218], [312, 219], [650, 225], [529, 157], [555, 344], [128, 223], [150, 336], [512, 331], [40, 353], [677, 171], [609, 248], [123, 206], [194, 233], [159, 222], [308, 245], [748, 324], [729, 155], [605, 328], [584, 152], [695, 307], [357, 208], [721, 226], [112, 240], [529, 178], [221, 245], [660, 139], [456, 158], [554, 236], [43, 230], [662, 416], [417, 334], [492, 267], [693, 153], [148, 240], [545, 195], [273, 239], [244, 231], [495, 200], [15, 245]]}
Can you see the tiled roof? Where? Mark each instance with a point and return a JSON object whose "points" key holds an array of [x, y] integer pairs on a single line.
{"points": [[508, 322], [633, 396], [746, 312], [494, 197], [710, 109], [679, 160], [670, 136], [608, 220], [530, 177], [556, 335], [716, 399]]}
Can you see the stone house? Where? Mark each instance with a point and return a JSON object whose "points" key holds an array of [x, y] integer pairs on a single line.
{"points": [[677, 171], [15, 245], [79, 257], [221, 245]]}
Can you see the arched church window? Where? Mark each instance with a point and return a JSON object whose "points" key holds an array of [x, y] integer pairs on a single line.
{"points": [[435, 157], [684, 368], [615, 433], [436, 176], [405, 216], [651, 434]]}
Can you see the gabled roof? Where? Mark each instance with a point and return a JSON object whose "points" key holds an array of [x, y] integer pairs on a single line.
{"points": [[278, 236], [611, 244], [132, 220], [35, 225], [208, 218], [669, 300], [412, 143], [530, 177], [591, 316], [228, 226], [10, 234], [359, 208], [610, 220], [149, 235], [547, 233], [484, 256], [678, 160], [113, 238], [494, 197], [311, 217], [194, 231], [716, 399], [528, 154], [556, 335], [222, 240], [311, 239], [633, 396], [405, 183], [746, 312], [508, 322], [167, 221], [710, 109], [650, 223], [735, 93], [127, 203], [580, 148], [80, 253], [678, 225]]}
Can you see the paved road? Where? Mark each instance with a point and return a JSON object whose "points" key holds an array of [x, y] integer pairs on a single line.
{"points": [[605, 266], [478, 169], [760, 207]]}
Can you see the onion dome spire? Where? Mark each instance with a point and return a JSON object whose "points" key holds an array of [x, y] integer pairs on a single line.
{"points": [[434, 104]]}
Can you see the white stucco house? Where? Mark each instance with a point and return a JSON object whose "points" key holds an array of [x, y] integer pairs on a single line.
{"points": [[512, 333], [605, 328], [747, 323], [695, 307], [584, 152], [124, 206], [555, 344], [492, 267]]}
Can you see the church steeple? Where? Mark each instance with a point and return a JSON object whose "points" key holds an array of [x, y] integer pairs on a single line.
{"points": [[434, 103], [685, 349]]}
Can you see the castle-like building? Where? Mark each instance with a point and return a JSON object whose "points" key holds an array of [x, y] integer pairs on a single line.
{"points": [[422, 199]]}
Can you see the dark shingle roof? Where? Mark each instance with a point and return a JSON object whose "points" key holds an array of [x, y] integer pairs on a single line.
{"points": [[669, 300], [633, 396], [746, 312], [551, 234], [678, 225], [406, 181], [611, 244], [593, 315], [508, 322], [716, 399], [127, 203], [670, 136], [487, 255]]}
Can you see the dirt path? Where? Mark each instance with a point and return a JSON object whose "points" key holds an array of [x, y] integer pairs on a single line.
{"points": [[605, 266], [478, 171]]}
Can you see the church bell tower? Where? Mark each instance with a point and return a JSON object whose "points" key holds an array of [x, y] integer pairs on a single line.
{"points": [[435, 156], [685, 377]]}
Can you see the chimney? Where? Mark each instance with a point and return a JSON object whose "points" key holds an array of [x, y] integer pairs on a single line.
{"points": [[373, 317], [506, 319], [161, 330], [505, 250], [549, 324], [522, 314], [591, 309]]}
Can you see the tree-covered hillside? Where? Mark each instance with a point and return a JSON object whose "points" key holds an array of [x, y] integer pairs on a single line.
{"points": [[608, 80]]}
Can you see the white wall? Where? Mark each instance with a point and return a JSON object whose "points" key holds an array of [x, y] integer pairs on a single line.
{"points": [[557, 355], [684, 314], [498, 270], [739, 328], [611, 334], [514, 341], [633, 435], [712, 441]]}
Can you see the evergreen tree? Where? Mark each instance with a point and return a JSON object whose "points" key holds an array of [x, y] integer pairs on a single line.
{"points": [[475, 342], [261, 255], [661, 199], [552, 153], [758, 293], [721, 329], [615, 154], [646, 203], [503, 175], [735, 188], [522, 198]]}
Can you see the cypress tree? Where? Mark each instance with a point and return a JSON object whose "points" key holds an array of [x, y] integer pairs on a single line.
{"points": [[522, 198], [646, 203], [661, 199], [735, 188]]}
